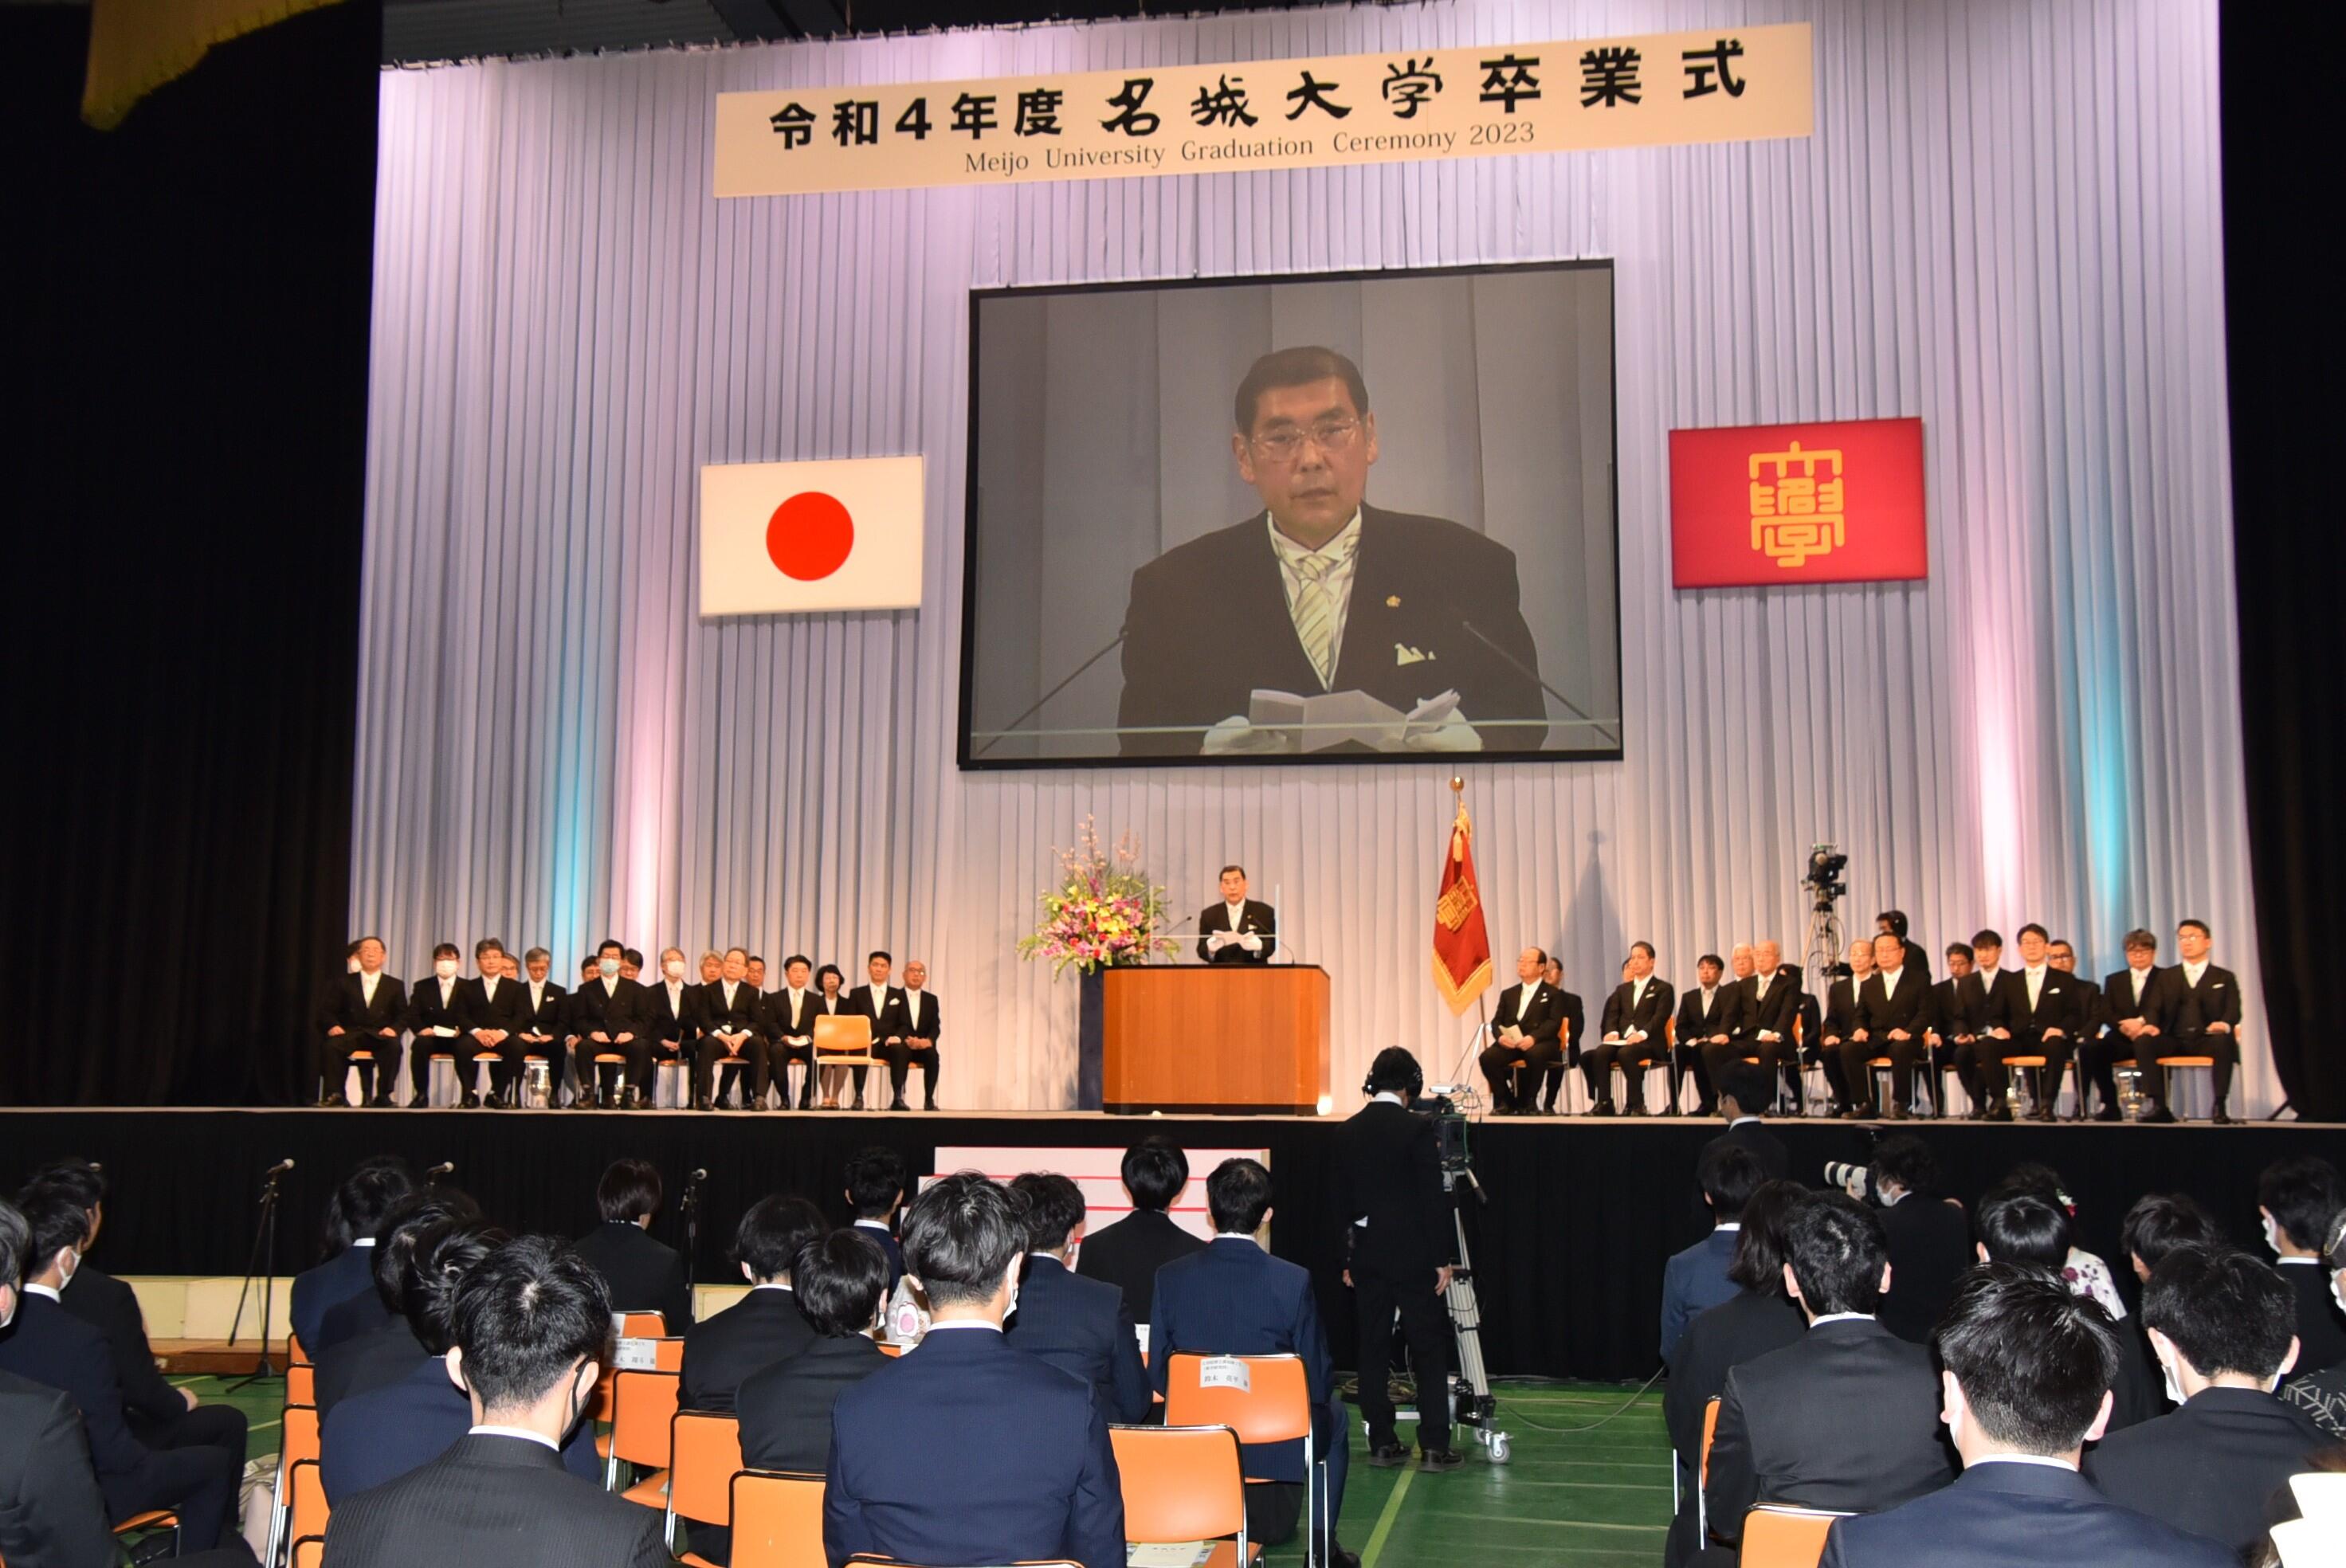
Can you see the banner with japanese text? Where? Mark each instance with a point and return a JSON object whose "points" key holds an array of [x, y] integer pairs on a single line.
{"points": [[1736, 85], [1760, 505]]}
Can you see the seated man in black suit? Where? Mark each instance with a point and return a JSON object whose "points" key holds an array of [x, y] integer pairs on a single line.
{"points": [[2298, 1198], [1077, 1325], [1953, 1036], [352, 1217], [917, 1047], [1030, 1475], [1322, 592], [2026, 1386], [372, 1342], [733, 1035], [492, 1010], [2224, 1327], [1758, 1318], [46, 1344], [2207, 1001], [379, 1434], [436, 1019], [643, 1275], [366, 1009], [2138, 1006], [1128, 1253], [882, 1002], [1744, 1090], [160, 1416], [610, 1015], [1848, 1418], [785, 1410], [1930, 1239], [1236, 1300], [1766, 1010], [1527, 1037], [1840, 1023], [544, 1006], [875, 1190], [1237, 928], [2017, 1225], [1636, 1015], [1709, 1010], [765, 1326], [533, 1329], [672, 1019], [1893, 1013], [1574, 1022], [789, 1025]]}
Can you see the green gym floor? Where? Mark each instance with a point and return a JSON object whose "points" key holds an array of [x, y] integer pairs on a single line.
{"points": [[1596, 1499]]}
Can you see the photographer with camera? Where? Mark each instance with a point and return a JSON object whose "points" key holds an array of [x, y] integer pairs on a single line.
{"points": [[1929, 1236], [1398, 1244]]}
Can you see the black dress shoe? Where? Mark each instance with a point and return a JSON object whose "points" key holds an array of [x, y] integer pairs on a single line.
{"points": [[703, 1103], [1439, 1459], [1385, 1456], [1899, 1112], [929, 1103], [2160, 1115], [757, 1102], [2108, 1113], [380, 1103], [1999, 1111], [2222, 1117], [859, 1104], [898, 1103], [1602, 1109]]}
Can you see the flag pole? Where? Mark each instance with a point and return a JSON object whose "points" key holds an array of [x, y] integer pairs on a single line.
{"points": [[1482, 1005]]}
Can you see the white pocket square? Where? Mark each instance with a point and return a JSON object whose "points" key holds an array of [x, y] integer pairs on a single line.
{"points": [[1405, 654]]}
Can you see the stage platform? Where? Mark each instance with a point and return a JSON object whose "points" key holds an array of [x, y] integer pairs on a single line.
{"points": [[1568, 1247]]}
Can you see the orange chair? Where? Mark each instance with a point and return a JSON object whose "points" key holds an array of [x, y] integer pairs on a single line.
{"points": [[299, 1441], [642, 1326], [704, 1452], [1184, 1483], [301, 1384], [1702, 1473], [592, 1081], [2167, 1065], [1779, 1537], [887, 1349], [843, 1040], [1274, 1407], [777, 1521], [667, 1355], [296, 1353], [153, 1518], [642, 1405], [309, 1508], [1023, 1562], [2036, 1065], [310, 1551]]}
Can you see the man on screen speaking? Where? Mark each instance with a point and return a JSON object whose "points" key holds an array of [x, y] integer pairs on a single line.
{"points": [[1323, 594]]}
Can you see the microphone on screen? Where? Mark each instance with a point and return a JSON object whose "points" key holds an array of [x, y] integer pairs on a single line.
{"points": [[1114, 643]]}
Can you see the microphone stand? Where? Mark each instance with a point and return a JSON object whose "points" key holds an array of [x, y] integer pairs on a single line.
{"points": [[1525, 671], [690, 1206], [263, 1261], [1037, 705]]}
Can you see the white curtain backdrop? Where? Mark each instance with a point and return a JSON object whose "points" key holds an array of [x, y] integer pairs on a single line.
{"points": [[2005, 223]]}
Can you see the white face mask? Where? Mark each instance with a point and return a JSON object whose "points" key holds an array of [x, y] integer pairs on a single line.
{"points": [[2273, 1241], [607, 968], [2338, 1289], [445, 968], [2174, 1388], [673, 969]]}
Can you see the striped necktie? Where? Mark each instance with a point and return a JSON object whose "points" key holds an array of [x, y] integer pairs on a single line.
{"points": [[1315, 614]]}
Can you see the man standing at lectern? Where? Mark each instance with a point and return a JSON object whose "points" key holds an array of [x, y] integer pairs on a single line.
{"points": [[1238, 929]]}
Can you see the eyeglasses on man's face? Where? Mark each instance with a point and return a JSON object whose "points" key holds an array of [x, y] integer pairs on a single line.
{"points": [[1286, 444]]}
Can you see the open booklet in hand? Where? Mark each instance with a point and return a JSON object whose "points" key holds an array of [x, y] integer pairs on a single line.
{"points": [[1337, 718]]}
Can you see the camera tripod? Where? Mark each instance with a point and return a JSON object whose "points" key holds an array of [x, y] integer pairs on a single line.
{"points": [[1473, 1406]]}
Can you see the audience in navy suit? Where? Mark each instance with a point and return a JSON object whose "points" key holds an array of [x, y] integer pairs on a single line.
{"points": [[645, 1275], [765, 1326], [1128, 1253], [875, 1190], [2027, 1385], [386, 1349], [1695, 1281], [1032, 1475], [1236, 1300], [1077, 1325], [840, 1281], [352, 1216]]}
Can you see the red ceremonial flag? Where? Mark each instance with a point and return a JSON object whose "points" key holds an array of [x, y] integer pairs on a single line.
{"points": [[1462, 948]]}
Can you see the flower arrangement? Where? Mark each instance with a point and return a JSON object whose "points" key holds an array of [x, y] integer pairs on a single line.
{"points": [[1103, 912]]}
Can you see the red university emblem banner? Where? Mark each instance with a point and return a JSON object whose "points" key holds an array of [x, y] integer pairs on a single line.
{"points": [[1755, 506]]}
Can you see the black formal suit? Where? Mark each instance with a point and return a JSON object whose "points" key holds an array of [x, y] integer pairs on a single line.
{"points": [[1997, 1514], [903, 1055], [1998, 1001], [2209, 1467], [1742, 1327], [319, 1290], [1775, 1013], [1255, 918], [1031, 1475], [1080, 1326], [1574, 1021], [1698, 1019], [1751, 1135], [502, 1499], [1955, 1029], [671, 1025], [1832, 1037], [361, 1020], [380, 1354], [785, 1410], [52, 1514], [1397, 1233], [158, 1415], [877, 1233], [480, 1005], [1537, 1010], [378, 1436], [2320, 1332], [1846, 1419], [1930, 1249], [2048, 1027], [1879, 1012], [1207, 622], [612, 1008], [1649, 1012], [430, 1006], [2154, 1007], [545, 1014], [643, 1275], [2215, 1000], [790, 1025], [761, 1329], [50, 1346], [1128, 1253], [885, 1009], [743, 1013]]}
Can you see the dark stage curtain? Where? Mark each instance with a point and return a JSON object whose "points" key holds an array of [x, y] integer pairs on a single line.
{"points": [[2284, 408], [1568, 1250], [186, 346]]}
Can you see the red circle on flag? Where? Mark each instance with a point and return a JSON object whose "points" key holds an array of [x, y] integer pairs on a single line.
{"points": [[808, 536]]}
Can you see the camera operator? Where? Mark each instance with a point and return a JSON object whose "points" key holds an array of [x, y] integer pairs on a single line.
{"points": [[1929, 1236], [1397, 1239]]}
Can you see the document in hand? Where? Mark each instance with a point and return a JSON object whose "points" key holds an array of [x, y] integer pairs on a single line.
{"points": [[1336, 717]]}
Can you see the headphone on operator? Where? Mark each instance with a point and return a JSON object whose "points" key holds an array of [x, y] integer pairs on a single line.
{"points": [[1395, 1070]]}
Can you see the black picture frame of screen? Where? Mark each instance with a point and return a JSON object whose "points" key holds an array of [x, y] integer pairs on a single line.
{"points": [[963, 756]]}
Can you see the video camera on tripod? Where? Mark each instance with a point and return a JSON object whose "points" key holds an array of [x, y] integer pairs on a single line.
{"points": [[1473, 1406], [1823, 877]]}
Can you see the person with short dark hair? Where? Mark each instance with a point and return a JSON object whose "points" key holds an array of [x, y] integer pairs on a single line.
{"points": [[765, 1326], [1745, 1089], [643, 1275], [2026, 1386], [1695, 1281], [876, 1189], [1574, 1032], [2139, 1005], [364, 1009], [1930, 1239], [840, 1283], [883, 1002], [2207, 1015], [532, 1330], [1236, 928], [1077, 1325], [610, 1014], [1633, 1021], [2223, 1326], [789, 1023], [544, 1005], [1758, 1318], [491, 1011], [1709, 1013], [1128, 1253], [2159, 1223], [2320, 1391], [2298, 1198], [435, 1017], [358, 1203], [1847, 1418], [1839, 1023], [2017, 1223], [1894, 1015], [830, 998], [1030, 1473], [374, 1343]]}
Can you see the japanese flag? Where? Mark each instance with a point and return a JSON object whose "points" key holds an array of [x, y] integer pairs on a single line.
{"points": [[779, 537]]}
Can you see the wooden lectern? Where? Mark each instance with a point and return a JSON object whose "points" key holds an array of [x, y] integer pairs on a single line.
{"points": [[1215, 1038]]}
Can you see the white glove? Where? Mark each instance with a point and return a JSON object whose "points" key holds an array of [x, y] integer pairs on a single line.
{"points": [[1452, 734], [1218, 941], [1235, 735], [1251, 942]]}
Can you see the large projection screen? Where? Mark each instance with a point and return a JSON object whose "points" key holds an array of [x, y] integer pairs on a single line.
{"points": [[1433, 574]]}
